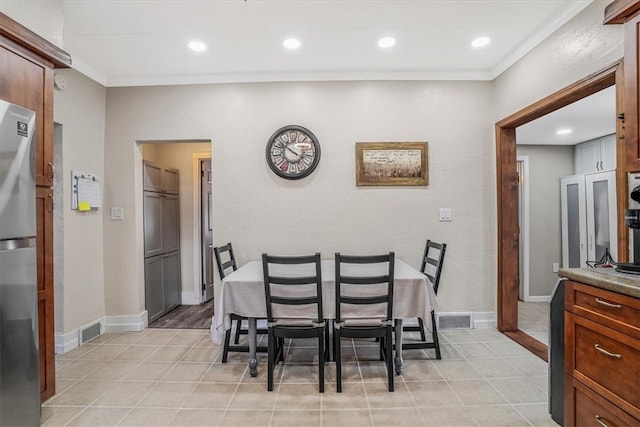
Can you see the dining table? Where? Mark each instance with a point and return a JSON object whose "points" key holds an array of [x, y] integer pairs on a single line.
{"points": [[242, 293]]}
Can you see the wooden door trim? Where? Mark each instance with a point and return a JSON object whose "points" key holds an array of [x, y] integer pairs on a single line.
{"points": [[507, 185]]}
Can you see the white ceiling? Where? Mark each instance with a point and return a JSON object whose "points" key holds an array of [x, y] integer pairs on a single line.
{"points": [[589, 118], [143, 42]]}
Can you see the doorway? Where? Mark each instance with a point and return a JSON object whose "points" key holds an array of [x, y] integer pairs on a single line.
{"points": [[206, 229], [507, 195]]}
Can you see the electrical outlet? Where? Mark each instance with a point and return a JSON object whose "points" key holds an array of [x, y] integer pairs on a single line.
{"points": [[555, 267], [445, 214]]}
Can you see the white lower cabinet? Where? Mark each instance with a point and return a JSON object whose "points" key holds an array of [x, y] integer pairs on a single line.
{"points": [[589, 218]]}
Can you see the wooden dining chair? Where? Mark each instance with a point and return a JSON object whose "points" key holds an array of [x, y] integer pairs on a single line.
{"points": [[432, 262], [293, 293], [362, 286], [226, 262]]}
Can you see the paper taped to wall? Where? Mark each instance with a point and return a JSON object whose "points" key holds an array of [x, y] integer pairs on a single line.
{"points": [[85, 191]]}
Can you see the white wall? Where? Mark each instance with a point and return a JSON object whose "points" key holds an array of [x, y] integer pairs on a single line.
{"points": [[80, 108], [547, 164], [325, 212], [579, 48], [44, 17]]}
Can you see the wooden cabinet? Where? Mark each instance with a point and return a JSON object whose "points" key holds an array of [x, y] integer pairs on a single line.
{"points": [[26, 79], [596, 155], [602, 357]]}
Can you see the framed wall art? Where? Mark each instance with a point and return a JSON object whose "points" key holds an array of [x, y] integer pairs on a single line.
{"points": [[392, 163]]}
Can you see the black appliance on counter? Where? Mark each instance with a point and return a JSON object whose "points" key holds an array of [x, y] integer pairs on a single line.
{"points": [[556, 353], [632, 220]]}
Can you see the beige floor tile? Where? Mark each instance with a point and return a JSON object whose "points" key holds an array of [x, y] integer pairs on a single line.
{"points": [[98, 417], [127, 337], [206, 341], [253, 396], [77, 352], [475, 350], [476, 392], [298, 396], [184, 340], [245, 418], [447, 416], [449, 352], [78, 369], [301, 373], [167, 395], [537, 414], [489, 335], [396, 417], [227, 372], [529, 365], [58, 415], [148, 417], [508, 349], [188, 372], [497, 416], [149, 371], [519, 390], [168, 354], [457, 369], [158, 337], [295, 418], [350, 372], [373, 371], [197, 418], [113, 370], [124, 394], [495, 368], [432, 393], [82, 393], [420, 370], [62, 385], [455, 336], [62, 362], [378, 396], [202, 354], [136, 352], [210, 396], [352, 397], [105, 351], [346, 417]]}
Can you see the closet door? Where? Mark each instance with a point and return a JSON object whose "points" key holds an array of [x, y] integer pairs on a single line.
{"points": [[574, 221], [601, 215]]}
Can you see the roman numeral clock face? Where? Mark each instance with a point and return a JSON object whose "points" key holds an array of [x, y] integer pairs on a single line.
{"points": [[293, 152]]}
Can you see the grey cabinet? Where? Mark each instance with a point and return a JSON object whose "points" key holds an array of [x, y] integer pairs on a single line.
{"points": [[161, 205]]}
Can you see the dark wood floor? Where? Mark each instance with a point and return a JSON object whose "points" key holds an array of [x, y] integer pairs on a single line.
{"points": [[187, 317]]}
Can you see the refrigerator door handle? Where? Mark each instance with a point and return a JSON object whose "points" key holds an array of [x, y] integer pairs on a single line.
{"points": [[9, 245]]}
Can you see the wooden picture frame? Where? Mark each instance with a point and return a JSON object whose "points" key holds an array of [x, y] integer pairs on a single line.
{"points": [[392, 163]]}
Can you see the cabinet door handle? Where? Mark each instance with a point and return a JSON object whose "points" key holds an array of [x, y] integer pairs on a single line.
{"points": [[52, 171], [50, 209], [599, 421], [606, 353], [601, 167], [608, 304]]}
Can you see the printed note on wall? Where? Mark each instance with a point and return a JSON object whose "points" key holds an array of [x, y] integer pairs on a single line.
{"points": [[85, 193]]}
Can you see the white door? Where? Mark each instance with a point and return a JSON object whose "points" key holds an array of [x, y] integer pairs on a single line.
{"points": [[574, 221], [602, 233]]}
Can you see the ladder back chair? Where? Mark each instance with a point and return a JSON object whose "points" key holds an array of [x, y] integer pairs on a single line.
{"points": [[432, 262], [226, 262], [364, 305], [293, 293]]}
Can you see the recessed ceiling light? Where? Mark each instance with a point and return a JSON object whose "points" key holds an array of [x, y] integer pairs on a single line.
{"points": [[291, 43], [197, 46], [481, 41], [565, 131], [386, 42]]}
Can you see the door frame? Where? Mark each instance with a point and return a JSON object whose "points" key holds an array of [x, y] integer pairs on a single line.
{"points": [[507, 191], [198, 297]]}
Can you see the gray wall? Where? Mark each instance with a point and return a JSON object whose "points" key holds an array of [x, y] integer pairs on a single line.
{"points": [[546, 165]]}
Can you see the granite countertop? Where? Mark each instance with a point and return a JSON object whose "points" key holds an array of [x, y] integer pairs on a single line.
{"points": [[605, 278]]}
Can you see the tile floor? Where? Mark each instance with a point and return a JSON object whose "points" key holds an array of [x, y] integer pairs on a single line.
{"points": [[533, 319], [175, 377]]}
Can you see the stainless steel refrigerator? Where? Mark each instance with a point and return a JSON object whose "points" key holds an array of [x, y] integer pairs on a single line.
{"points": [[19, 359]]}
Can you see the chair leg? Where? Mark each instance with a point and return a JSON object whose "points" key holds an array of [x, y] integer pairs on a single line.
{"points": [[225, 350], [338, 357], [423, 336], [390, 370], [321, 354], [436, 342], [271, 350], [238, 328]]}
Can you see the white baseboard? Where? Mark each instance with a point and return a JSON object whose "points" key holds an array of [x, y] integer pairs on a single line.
{"points": [[127, 323], [542, 298], [70, 340], [190, 298], [484, 320]]}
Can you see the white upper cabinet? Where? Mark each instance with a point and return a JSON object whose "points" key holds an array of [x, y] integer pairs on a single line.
{"points": [[596, 155]]}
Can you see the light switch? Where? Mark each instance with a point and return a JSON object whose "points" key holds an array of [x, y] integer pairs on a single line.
{"points": [[117, 213], [445, 214]]}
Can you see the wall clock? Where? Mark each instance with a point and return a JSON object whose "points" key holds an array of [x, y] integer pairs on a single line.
{"points": [[293, 152]]}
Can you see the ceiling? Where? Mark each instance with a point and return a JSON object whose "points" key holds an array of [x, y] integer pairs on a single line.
{"points": [[135, 43]]}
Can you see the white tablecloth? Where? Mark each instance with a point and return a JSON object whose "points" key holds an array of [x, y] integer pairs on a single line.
{"points": [[242, 293]]}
